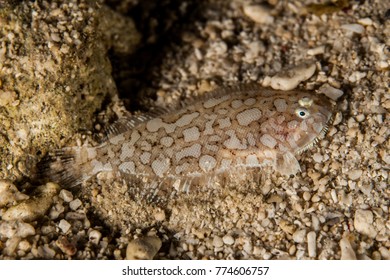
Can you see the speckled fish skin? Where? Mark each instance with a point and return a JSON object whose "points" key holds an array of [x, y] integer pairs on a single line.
{"points": [[227, 130]]}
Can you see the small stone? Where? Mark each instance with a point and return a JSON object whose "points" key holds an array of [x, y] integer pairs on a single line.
{"points": [[275, 198], [7, 97], [315, 198], [289, 79], [56, 211], [16, 228], [217, 241], [316, 51], [267, 255], [317, 157], [228, 239], [355, 174], [258, 14], [95, 236], [354, 28], [333, 194], [9, 194], [64, 225], [311, 244], [24, 245], [306, 196], [347, 252], [65, 246], [34, 207], [356, 76], [46, 230], [385, 253], [75, 204], [287, 227], [144, 248], [376, 255], [365, 21], [363, 223], [46, 252], [160, 216], [75, 216], [247, 247], [331, 92], [66, 195], [11, 245], [292, 250], [257, 250], [55, 37], [299, 236]]}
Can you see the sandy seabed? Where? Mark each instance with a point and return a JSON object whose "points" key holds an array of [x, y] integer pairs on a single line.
{"points": [[69, 68]]}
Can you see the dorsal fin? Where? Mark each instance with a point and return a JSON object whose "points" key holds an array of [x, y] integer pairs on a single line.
{"points": [[124, 124], [221, 91], [128, 123]]}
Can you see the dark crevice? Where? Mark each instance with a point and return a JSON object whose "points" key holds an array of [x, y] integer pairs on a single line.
{"points": [[161, 24]]}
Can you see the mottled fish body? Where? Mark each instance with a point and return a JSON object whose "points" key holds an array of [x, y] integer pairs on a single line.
{"points": [[226, 130]]}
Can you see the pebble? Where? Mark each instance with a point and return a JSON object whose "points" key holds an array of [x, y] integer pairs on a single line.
{"points": [[16, 228], [64, 225], [306, 196], [7, 97], [316, 51], [160, 216], [333, 194], [95, 236], [75, 204], [144, 248], [228, 239], [66, 195], [248, 248], [287, 227], [299, 236], [376, 255], [353, 27], [217, 241], [292, 250], [365, 21], [315, 198], [11, 245], [355, 174], [24, 245], [385, 253], [267, 255], [289, 79], [363, 223], [9, 194], [317, 157], [258, 14], [331, 92], [34, 207], [357, 76], [347, 252], [75, 216], [46, 252], [55, 37], [65, 246], [56, 211], [311, 244]]}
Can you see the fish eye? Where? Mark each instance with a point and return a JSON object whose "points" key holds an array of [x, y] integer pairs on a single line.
{"points": [[302, 113]]}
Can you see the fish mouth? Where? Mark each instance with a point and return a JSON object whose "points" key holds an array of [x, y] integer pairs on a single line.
{"points": [[320, 136]]}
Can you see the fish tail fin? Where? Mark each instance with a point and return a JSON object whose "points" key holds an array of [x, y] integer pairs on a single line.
{"points": [[68, 167]]}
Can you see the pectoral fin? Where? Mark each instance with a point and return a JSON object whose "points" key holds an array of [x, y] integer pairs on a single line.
{"points": [[287, 164]]}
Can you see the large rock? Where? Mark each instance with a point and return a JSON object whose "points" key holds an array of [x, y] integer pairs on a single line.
{"points": [[54, 73]]}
